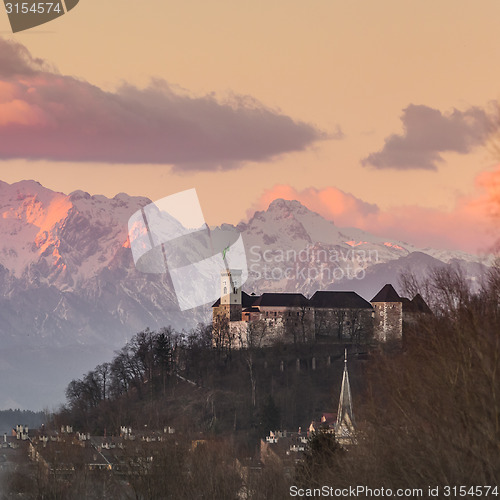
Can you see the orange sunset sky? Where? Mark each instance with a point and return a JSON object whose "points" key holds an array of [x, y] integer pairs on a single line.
{"points": [[376, 114]]}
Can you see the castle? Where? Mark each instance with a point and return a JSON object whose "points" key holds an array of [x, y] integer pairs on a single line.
{"points": [[241, 320]]}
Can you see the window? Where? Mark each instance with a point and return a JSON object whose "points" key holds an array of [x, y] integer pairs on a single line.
{"points": [[225, 290]]}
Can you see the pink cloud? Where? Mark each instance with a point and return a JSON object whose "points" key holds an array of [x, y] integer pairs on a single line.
{"points": [[18, 112], [471, 226], [61, 118], [332, 203]]}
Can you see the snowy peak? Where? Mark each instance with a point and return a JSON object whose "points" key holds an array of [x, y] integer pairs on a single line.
{"points": [[29, 213], [280, 210], [292, 225], [12, 194], [288, 208], [76, 234]]}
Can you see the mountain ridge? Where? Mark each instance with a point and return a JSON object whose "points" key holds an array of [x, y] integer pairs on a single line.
{"points": [[68, 280]]}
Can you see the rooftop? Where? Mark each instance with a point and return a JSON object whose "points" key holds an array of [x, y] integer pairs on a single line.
{"points": [[281, 299], [347, 300], [387, 294]]}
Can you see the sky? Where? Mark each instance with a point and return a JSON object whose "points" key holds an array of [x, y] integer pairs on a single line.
{"points": [[379, 115]]}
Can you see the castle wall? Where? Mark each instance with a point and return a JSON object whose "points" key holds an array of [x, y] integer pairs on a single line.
{"points": [[230, 311], [351, 324], [261, 333], [295, 324]]}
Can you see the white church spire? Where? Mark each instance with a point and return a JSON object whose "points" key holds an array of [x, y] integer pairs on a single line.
{"points": [[344, 428]]}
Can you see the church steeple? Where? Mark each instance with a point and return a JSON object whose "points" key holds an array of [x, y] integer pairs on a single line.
{"points": [[344, 428]]}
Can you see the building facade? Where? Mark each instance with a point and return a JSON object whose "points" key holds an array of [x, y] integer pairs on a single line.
{"points": [[241, 320]]}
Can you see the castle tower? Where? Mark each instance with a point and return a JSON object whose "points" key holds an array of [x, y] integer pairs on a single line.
{"points": [[344, 427], [230, 293], [388, 314]]}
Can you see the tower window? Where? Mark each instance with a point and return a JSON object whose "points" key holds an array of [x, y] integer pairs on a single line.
{"points": [[225, 290], [234, 290]]}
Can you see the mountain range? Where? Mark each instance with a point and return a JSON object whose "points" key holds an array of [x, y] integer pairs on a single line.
{"points": [[70, 293]]}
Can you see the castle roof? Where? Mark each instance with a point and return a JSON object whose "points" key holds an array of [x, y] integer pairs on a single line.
{"points": [[346, 300], [416, 305], [281, 300], [421, 305], [246, 300], [408, 305], [387, 294]]}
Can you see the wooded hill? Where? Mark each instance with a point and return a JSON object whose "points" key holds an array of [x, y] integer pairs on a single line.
{"points": [[166, 378]]}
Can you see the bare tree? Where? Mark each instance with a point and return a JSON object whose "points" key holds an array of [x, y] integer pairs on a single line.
{"points": [[103, 371], [251, 338], [221, 334], [432, 411]]}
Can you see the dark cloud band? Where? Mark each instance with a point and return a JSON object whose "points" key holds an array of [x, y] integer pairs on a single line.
{"points": [[55, 117]]}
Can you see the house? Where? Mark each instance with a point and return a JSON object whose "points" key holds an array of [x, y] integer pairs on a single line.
{"points": [[283, 446]]}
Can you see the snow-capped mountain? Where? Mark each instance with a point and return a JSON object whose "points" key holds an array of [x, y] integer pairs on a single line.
{"points": [[291, 224], [69, 289], [290, 248], [68, 273]]}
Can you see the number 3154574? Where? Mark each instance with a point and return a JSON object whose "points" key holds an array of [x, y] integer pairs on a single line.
{"points": [[33, 8]]}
